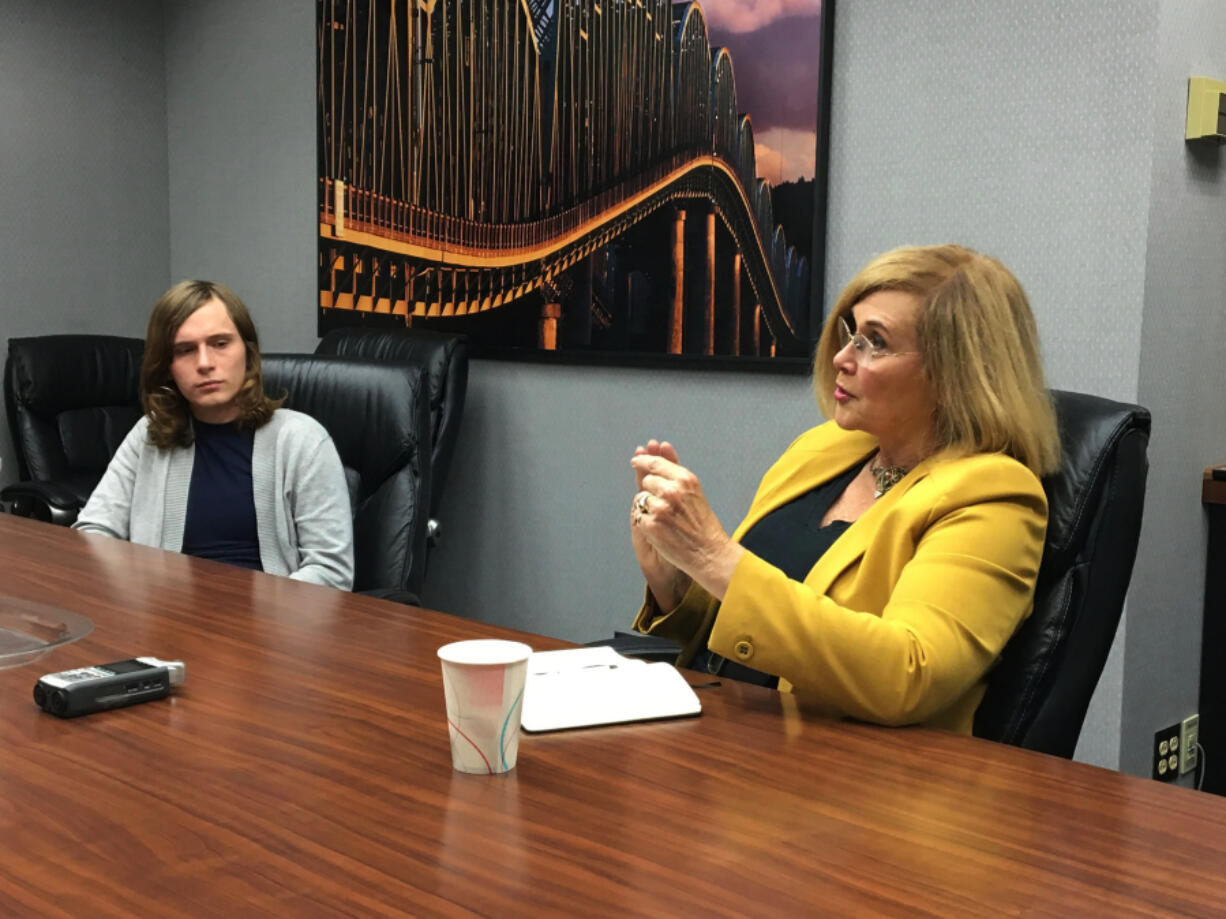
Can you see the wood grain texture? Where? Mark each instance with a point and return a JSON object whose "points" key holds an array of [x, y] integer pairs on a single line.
{"points": [[303, 770]]}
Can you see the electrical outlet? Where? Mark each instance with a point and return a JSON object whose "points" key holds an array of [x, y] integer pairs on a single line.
{"points": [[1189, 732], [1166, 753]]}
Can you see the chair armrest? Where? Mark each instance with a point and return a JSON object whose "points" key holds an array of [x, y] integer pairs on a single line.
{"points": [[49, 501]]}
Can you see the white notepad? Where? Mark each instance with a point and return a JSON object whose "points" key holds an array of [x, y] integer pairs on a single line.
{"points": [[590, 686]]}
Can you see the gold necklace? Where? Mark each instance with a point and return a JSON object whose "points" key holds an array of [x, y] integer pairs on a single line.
{"points": [[886, 477]]}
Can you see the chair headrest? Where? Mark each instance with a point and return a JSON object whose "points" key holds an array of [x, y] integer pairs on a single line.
{"points": [[1090, 427], [49, 374], [433, 350], [374, 412]]}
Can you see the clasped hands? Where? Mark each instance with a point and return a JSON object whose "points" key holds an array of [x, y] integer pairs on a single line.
{"points": [[676, 536]]}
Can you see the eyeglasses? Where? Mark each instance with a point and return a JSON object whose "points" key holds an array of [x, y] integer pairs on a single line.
{"points": [[866, 351]]}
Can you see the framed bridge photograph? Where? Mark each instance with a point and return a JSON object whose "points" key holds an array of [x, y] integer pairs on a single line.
{"points": [[621, 181]]}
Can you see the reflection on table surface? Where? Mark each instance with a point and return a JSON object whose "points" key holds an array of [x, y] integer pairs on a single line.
{"points": [[29, 630]]}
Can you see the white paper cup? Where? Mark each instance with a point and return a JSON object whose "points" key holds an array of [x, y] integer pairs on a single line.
{"points": [[483, 682]]}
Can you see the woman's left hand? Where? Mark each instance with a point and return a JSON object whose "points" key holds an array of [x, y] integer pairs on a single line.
{"points": [[677, 520]]}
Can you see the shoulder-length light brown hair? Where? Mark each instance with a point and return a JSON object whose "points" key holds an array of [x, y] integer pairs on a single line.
{"points": [[168, 412], [978, 345]]}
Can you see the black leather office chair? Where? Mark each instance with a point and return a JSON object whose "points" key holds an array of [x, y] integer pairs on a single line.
{"points": [[71, 400], [378, 417], [445, 360], [1040, 689]]}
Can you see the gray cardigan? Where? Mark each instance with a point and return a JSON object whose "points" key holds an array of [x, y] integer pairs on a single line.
{"points": [[302, 511]]}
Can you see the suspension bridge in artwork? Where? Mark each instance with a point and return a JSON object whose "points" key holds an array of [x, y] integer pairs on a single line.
{"points": [[577, 165]]}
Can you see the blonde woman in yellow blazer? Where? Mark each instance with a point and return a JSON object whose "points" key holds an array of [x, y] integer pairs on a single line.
{"points": [[941, 426]]}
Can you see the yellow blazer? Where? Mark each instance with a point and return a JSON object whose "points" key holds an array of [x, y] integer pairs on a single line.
{"points": [[903, 616]]}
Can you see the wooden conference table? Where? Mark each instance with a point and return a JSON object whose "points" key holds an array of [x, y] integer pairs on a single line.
{"points": [[303, 770]]}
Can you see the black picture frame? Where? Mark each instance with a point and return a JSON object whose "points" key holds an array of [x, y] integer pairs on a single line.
{"points": [[436, 205]]}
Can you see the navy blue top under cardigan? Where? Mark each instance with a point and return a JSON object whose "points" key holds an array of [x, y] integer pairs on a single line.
{"points": [[220, 521]]}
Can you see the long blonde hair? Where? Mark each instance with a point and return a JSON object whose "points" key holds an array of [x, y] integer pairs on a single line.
{"points": [[979, 347]]}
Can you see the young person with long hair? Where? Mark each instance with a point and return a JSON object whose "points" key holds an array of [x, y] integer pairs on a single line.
{"points": [[216, 468]]}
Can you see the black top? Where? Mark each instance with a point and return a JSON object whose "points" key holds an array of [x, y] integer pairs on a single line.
{"points": [[220, 520], [792, 539]]}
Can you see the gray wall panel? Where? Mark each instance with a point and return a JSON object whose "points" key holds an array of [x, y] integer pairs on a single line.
{"points": [[1022, 130], [240, 94], [1183, 376], [83, 160]]}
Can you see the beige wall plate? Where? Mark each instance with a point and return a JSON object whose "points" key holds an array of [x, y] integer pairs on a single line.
{"points": [[1206, 109]]}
